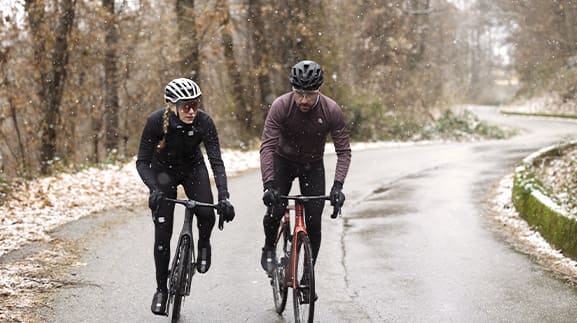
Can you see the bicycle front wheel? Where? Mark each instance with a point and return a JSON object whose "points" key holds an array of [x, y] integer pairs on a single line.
{"points": [[304, 294], [278, 281], [178, 277]]}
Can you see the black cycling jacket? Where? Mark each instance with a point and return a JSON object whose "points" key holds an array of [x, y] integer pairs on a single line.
{"points": [[182, 151]]}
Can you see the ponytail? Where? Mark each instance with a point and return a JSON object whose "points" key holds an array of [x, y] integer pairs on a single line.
{"points": [[162, 144]]}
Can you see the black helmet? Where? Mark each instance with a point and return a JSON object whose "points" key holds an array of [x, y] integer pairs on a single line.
{"points": [[306, 75]]}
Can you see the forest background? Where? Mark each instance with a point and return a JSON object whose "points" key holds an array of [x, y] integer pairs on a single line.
{"points": [[79, 77]]}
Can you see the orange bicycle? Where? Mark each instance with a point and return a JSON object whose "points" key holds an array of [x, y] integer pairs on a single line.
{"points": [[293, 266]]}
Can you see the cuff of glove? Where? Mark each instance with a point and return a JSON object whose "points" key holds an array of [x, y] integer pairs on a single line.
{"points": [[223, 195], [337, 185], [268, 185]]}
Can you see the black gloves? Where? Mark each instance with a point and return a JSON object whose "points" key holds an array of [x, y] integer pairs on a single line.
{"points": [[270, 196], [337, 196], [154, 199], [226, 210]]}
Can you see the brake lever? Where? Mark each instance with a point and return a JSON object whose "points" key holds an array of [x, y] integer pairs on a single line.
{"points": [[336, 212]]}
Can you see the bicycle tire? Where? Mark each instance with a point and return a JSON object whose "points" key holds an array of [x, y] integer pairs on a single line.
{"points": [[304, 294], [279, 284], [178, 277]]}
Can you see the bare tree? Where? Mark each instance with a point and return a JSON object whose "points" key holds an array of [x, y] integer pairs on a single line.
{"points": [[260, 53], [244, 113], [188, 39], [53, 74], [111, 82], [16, 137]]}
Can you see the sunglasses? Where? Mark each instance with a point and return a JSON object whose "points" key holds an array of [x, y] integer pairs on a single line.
{"points": [[186, 106], [305, 94]]}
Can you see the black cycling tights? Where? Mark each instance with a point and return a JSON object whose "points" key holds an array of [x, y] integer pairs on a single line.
{"points": [[196, 185], [311, 182]]}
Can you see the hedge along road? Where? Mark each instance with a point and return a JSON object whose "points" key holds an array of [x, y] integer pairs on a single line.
{"points": [[414, 245]]}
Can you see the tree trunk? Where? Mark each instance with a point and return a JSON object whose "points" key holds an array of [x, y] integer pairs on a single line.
{"points": [[111, 104], [187, 39], [52, 73], [260, 53], [243, 111]]}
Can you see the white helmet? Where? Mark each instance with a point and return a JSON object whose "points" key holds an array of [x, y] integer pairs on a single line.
{"points": [[181, 89]]}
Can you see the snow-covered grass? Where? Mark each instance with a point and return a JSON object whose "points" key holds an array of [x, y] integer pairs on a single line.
{"points": [[559, 175], [551, 104]]}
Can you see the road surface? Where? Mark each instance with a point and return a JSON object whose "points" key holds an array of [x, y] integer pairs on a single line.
{"points": [[414, 244]]}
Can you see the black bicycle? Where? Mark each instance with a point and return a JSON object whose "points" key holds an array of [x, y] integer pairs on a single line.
{"points": [[293, 266], [184, 260]]}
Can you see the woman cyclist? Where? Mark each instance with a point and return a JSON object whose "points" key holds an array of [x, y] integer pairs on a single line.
{"points": [[169, 155]]}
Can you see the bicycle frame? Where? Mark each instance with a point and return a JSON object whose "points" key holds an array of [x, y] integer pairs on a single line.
{"points": [[291, 279], [187, 232], [300, 226]]}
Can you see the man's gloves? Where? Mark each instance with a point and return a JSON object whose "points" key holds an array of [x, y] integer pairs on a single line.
{"points": [[337, 196], [270, 196], [154, 199], [226, 210]]}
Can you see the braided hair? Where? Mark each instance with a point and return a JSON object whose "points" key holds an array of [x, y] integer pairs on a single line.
{"points": [[162, 144]]}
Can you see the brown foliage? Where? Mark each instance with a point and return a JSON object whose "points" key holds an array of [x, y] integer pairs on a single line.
{"points": [[381, 59]]}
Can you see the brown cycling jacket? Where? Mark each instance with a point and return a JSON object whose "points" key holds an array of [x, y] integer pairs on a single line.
{"points": [[301, 136]]}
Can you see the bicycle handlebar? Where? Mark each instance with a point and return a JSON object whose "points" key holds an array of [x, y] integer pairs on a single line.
{"points": [[191, 204], [305, 198]]}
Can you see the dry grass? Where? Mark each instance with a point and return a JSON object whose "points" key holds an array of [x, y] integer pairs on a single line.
{"points": [[26, 284]]}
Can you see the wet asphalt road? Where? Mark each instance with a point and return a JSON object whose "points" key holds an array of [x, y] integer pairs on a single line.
{"points": [[414, 245]]}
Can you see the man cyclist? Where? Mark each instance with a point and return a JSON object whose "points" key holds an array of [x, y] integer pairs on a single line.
{"points": [[169, 155], [293, 145]]}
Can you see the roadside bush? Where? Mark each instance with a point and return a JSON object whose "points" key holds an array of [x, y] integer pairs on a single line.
{"points": [[464, 126]]}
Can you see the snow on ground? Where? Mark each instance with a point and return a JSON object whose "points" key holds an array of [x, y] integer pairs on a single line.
{"points": [[547, 104]]}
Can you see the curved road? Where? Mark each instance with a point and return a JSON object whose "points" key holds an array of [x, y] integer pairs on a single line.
{"points": [[414, 245]]}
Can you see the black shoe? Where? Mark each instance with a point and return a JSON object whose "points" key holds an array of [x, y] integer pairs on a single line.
{"points": [[267, 258], [159, 299], [203, 258]]}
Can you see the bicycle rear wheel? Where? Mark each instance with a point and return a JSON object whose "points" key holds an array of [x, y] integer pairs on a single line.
{"points": [[178, 277], [304, 294], [278, 281]]}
